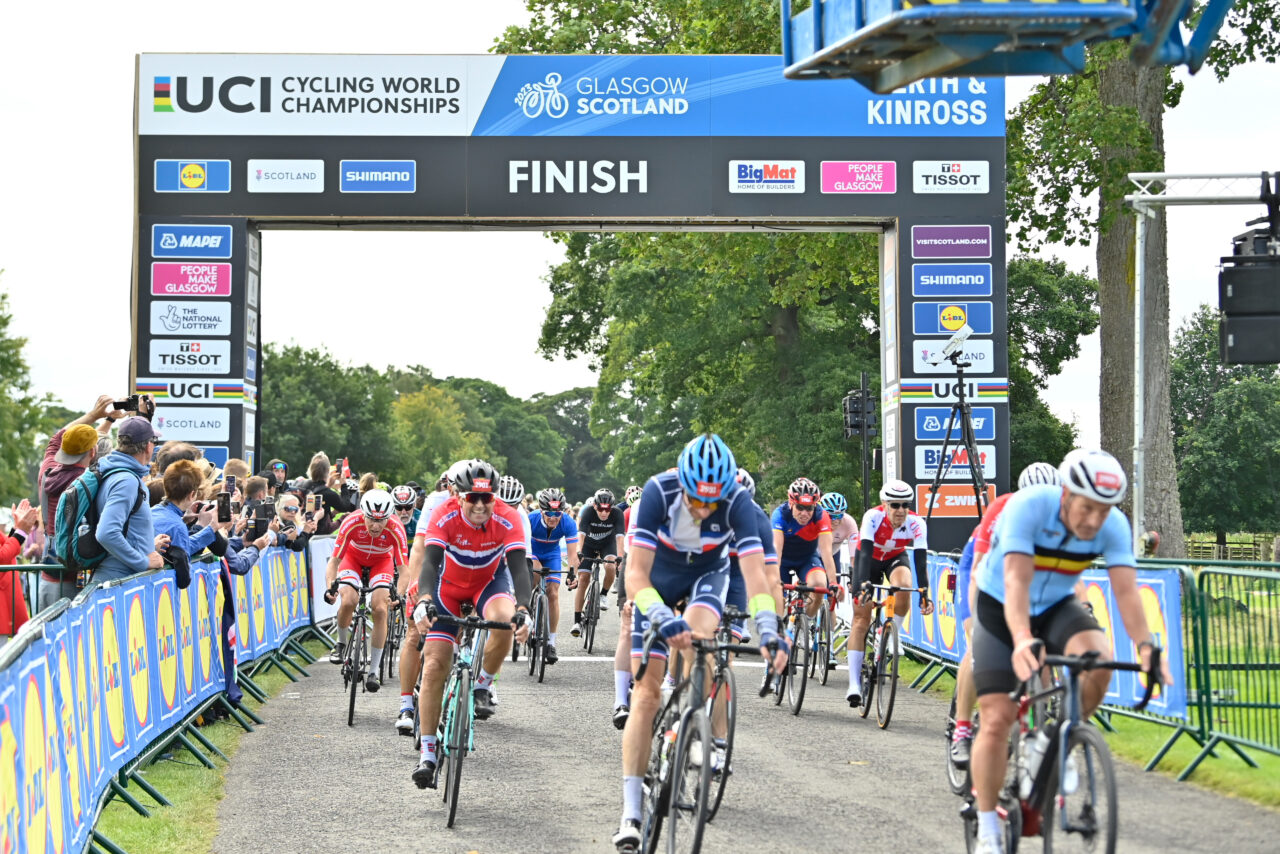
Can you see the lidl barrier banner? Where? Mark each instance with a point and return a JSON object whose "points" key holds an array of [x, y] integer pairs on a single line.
{"points": [[95, 685], [321, 549], [942, 636]]}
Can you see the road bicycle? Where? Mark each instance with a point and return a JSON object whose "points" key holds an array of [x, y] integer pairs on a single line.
{"points": [[356, 660], [823, 639], [879, 677], [722, 703], [591, 603], [1060, 781], [679, 777], [799, 627], [540, 625], [455, 737]]}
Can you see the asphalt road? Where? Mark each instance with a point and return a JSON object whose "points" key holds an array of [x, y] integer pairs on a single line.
{"points": [[545, 777]]}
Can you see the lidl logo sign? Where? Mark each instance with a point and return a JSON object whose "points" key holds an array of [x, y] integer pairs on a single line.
{"points": [[944, 318], [192, 176]]}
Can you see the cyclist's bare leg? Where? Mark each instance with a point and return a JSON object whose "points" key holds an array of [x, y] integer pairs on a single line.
{"points": [[378, 604], [553, 603], [646, 695], [580, 592], [815, 578], [436, 661], [498, 647], [610, 573], [966, 693], [858, 630], [409, 658], [347, 599], [901, 577], [719, 712], [1093, 683], [991, 747], [622, 657]]}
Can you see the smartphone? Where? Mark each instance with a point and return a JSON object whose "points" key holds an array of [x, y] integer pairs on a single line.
{"points": [[236, 506], [224, 506], [313, 503], [129, 404], [346, 469], [229, 484]]}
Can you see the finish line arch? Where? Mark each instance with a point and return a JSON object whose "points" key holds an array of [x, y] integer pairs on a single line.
{"points": [[227, 146]]}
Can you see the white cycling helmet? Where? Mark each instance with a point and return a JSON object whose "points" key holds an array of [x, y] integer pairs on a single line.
{"points": [[896, 490], [747, 482], [1039, 473], [1094, 474], [510, 490], [376, 504], [633, 493]]}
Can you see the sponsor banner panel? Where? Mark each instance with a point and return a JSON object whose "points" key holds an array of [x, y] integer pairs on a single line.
{"points": [[190, 241], [950, 241], [952, 499], [176, 317], [946, 318], [932, 422], [191, 390], [285, 176], [955, 466], [860, 176], [194, 423], [192, 176], [169, 279], [378, 176], [995, 390], [202, 356], [951, 280], [951, 176], [980, 354], [766, 176], [218, 455]]}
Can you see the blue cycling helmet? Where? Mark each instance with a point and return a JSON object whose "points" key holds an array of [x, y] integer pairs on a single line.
{"points": [[834, 503], [706, 468]]}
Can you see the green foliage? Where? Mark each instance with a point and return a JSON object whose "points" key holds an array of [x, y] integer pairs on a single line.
{"points": [[1251, 34], [524, 445], [1035, 433], [1224, 419], [583, 463], [1050, 310], [21, 415]]}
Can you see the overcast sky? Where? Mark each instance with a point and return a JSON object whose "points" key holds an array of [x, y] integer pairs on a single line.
{"points": [[66, 202]]}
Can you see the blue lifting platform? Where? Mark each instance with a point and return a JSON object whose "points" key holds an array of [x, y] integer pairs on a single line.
{"points": [[887, 44]]}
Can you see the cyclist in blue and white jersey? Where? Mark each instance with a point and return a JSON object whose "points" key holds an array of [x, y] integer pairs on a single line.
{"points": [[688, 521], [549, 526], [1045, 537]]}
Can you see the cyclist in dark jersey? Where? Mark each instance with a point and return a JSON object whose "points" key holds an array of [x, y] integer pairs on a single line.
{"points": [[601, 527]]}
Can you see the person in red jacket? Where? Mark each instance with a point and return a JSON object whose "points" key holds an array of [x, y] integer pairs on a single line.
{"points": [[13, 607]]}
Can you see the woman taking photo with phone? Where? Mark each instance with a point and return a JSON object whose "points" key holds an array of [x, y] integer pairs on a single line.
{"points": [[182, 483]]}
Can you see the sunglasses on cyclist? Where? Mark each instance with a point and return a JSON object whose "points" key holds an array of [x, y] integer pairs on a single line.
{"points": [[898, 505], [479, 497], [836, 517], [803, 508], [554, 514], [604, 508], [698, 504]]}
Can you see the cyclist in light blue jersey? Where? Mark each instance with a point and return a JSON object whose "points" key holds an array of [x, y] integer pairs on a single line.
{"points": [[688, 521], [547, 528], [1045, 537]]}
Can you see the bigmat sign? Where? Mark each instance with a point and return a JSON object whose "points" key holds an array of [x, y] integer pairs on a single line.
{"points": [[229, 146]]}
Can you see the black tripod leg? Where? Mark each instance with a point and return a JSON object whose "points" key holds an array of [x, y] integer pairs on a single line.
{"points": [[975, 461]]}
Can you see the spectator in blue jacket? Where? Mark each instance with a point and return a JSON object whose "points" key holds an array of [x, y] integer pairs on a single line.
{"points": [[182, 482], [125, 528]]}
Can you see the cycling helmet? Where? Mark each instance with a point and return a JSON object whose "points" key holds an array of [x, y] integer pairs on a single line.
{"points": [[896, 490], [477, 476], [834, 503], [404, 496], [455, 470], [603, 496], [510, 490], [552, 499], [1094, 474], [376, 504], [1038, 473], [747, 482], [804, 492], [633, 494], [706, 468]]}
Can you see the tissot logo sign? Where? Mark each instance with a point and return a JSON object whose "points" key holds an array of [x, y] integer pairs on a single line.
{"points": [[190, 357], [951, 176], [577, 176]]}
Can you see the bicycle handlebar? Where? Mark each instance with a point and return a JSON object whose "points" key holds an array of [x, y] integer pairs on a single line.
{"points": [[805, 588], [710, 646], [1092, 661]]}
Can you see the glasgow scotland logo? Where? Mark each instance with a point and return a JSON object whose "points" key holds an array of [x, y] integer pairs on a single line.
{"points": [[536, 99]]}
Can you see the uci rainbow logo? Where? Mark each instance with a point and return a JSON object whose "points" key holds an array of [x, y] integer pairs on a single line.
{"points": [[34, 794], [113, 679], [10, 814], [167, 644], [139, 666], [186, 636]]}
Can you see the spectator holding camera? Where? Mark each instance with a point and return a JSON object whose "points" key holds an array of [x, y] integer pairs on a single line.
{"points": [[13, 606], [323, 478], [125, 528], [182, 483], [296, 528]]}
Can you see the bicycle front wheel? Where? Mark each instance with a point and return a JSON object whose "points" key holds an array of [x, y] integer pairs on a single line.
{"points": [[356, 656], [824, 655], [724, 692], [1088, 797], [798, 666], [532, 645], [690, 784], [957, 778], [887, 674], [867, 678], [544, 637], [591, 617], [458, 732]]}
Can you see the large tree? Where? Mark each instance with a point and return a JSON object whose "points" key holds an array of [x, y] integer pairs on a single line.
{"points": [[584, 460], [21, 415], [524, 445]]}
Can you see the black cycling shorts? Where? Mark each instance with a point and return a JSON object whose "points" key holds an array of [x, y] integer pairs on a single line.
{"points": [[993, 645], [882, 569]]}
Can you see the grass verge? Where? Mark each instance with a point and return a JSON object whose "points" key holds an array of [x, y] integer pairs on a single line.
{"points": [[1136, 741], [192, 822]]}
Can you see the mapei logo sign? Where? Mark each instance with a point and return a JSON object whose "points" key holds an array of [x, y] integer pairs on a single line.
{"points": [[766, 176], [932, 423], [194, 357], [190, 241], [952, 176]]}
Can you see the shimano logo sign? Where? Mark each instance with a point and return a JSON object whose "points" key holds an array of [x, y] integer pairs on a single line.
{"points": [[952, 176], [951, 280], [191, 241], [378, 176]]}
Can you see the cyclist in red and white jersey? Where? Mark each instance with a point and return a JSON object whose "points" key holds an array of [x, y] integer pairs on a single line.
{"points": [[890, 541], [471, 551], [371, 546]]}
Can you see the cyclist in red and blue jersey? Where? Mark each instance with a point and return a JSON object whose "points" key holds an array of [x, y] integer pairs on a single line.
{"points": [[688, 521], [1045, 537], [802, 539], [471, 550], [547, 528]]}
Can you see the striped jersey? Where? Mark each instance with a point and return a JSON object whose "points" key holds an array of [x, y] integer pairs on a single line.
{"points": [[472, 553], [354, 537], [1031, 524], [664, 525]]}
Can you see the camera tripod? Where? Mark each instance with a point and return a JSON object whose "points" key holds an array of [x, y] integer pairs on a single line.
{"points": [[960, 409]]}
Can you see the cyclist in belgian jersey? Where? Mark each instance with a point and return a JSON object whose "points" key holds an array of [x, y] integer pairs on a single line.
{"points": [[371, 547], [802, 539], [687, 522], [551, 524], [1045, 537], [459, 557], [974, 552], [890, 540], [601, 527]]}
